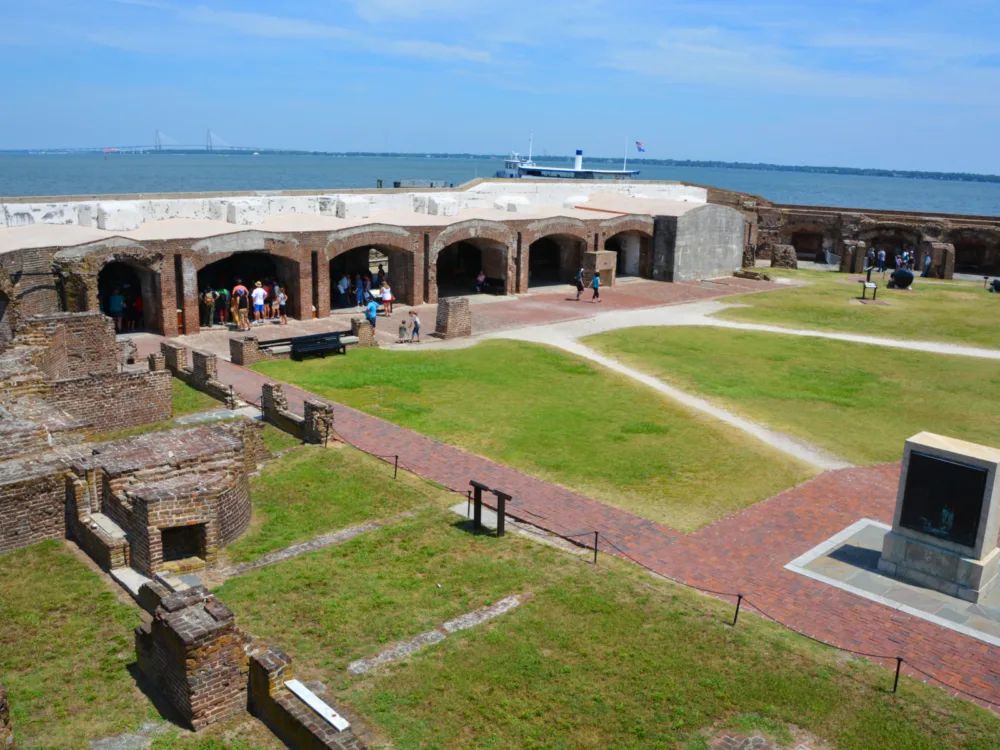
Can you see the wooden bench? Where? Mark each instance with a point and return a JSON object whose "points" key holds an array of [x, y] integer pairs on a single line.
{"points": [[866, 285], [319, 343]]}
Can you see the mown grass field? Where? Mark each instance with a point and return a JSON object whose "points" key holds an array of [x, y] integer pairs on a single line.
{"points": [[955, 312], [858, 401], [596, 657], [562, 419]]}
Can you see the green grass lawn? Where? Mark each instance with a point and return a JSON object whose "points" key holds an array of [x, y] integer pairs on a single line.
{"points": [[857, 401], [950, 311], [314, 490], [65, 645], [597, 657], [560, 418]]}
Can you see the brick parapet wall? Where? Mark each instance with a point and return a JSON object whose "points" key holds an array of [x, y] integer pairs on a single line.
{"points": [[318, 422], [33, 508], [288, 717], [202, 376], [274, 408]]}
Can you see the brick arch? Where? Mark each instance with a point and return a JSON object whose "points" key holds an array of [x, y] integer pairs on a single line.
{"points": [[465, 231], [632, 259], [213, 249], [80, 269], [561, 225], [639, 224], [405, 260]]}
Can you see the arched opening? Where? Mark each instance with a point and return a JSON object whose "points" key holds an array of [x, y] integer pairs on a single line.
{"points": [[977, 258], [809, 246], [396, 263], [251, 267], [459, 263], [6, 330], [894, 243], [554, 259], [139, 290], [634, 254]]}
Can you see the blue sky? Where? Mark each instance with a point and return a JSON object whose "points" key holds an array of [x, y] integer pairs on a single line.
{"points": [[885, 83]]}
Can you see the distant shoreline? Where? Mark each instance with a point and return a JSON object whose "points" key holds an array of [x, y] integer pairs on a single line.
{"points": [[750, 166]]}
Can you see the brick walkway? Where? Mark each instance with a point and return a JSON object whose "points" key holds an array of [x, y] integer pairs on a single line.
{"points": [[743, 553]]}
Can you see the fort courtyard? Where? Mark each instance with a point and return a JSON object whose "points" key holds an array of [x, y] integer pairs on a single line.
{"points": [[675, 517]]}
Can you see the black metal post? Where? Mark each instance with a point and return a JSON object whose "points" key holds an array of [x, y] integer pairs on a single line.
{"points": [[395, 471], [468, 504], [477, 494], [739, 601], [899, 664], [501, 511], [596, 533]]}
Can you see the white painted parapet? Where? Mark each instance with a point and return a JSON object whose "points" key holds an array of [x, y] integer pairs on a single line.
{"points": [[512, 203], [442, 205], [119, 216], [352, 207]]}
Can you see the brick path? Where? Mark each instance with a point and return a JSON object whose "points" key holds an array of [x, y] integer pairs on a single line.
{"points": [[743, 553]]}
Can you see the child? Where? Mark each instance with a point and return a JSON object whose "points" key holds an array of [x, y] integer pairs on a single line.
{"points": [[415, 331], [282, 305], [402, 331]]}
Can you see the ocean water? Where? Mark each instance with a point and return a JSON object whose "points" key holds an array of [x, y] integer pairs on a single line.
{"points": [[91, 174]]}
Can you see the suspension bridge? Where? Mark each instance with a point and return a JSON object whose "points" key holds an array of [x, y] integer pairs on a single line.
{"points": [[163, 142]]}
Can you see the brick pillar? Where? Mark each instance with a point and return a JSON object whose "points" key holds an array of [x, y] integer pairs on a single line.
{"points": [[189, 290], [174, 355], [302, 302], [195, 655], [157, 362], [521, 264], [272, 398], [323, 284], [245, 351], [361, 328], [318, 422], [205, 365], [453, 318]]}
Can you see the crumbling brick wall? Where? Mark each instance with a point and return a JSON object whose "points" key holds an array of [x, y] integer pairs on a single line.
{"points": [[361, 328], [116, 400], [32, 503], [315, 426], [195, 655], [287, 716], [202, 376]]}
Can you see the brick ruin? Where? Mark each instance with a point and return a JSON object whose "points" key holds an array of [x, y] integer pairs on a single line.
{"points": [[6, 728], [454, 319], [210, 670]]}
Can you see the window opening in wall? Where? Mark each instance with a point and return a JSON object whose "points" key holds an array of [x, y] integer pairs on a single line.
{"points": [[184, 543]]}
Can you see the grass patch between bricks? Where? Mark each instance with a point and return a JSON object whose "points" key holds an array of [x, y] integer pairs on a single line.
{"points": [[560, 418], [598, 657], [955, 312], [858, 401]]}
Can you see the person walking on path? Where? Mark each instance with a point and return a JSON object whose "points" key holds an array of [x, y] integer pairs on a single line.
{"points": [[371, 312], [870, 257], [596, 286], [881, 260], [259, 294], [579, 284], [387, 298], [282, 304], [414, 327], [928, 261]]}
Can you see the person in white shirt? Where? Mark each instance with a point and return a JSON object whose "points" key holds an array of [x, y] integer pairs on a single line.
{"points": [[259, 294], [387, 298]]}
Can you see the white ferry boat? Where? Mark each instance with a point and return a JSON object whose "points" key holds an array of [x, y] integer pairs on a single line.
{"points": [[514, 167]]}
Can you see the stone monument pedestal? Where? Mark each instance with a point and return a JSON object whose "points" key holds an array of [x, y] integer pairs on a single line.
{"points": [[944, 531]]}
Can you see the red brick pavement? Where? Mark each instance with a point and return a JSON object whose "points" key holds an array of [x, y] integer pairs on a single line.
{"points": [[744, 553]]}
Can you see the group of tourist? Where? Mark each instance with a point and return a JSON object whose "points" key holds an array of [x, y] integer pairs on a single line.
{"points": [[126, 310], [362, 288], [905, 259], [244, 307]]}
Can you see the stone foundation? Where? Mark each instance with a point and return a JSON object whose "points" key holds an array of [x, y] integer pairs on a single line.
{"points": [[783, 256], [454, 319]]}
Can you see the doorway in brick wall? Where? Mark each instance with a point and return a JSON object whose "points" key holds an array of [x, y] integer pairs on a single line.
{"points": [[184, 544], [396, 263], [634, 254], [459, 264], [251, 267], [554, 259], [139, 289]]}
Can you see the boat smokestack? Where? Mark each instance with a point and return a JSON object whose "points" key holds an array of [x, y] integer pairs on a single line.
{"points": [[578, 164]]}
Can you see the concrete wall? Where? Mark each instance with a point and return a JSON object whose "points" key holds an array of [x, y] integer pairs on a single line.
{"points": [[126, 215], [705, 243]]}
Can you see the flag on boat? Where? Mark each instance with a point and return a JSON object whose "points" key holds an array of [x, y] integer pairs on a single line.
{"points": [[640, 147]]}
